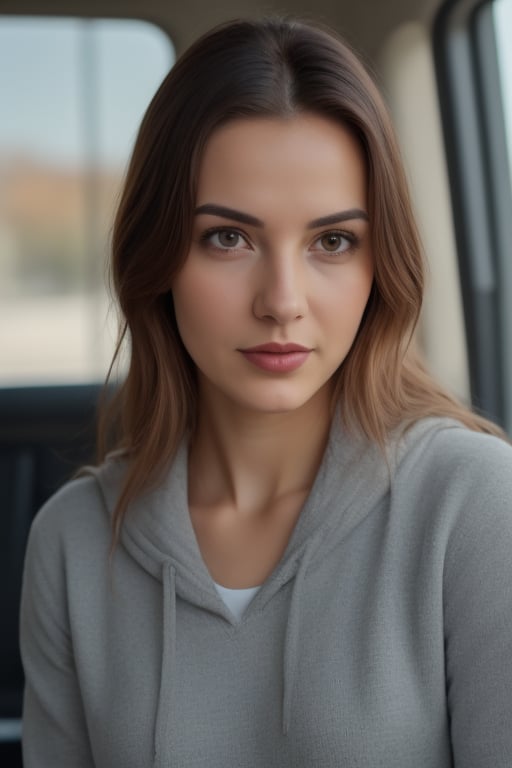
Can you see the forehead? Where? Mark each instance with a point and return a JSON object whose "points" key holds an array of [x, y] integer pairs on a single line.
{"points": [[303, 158]]}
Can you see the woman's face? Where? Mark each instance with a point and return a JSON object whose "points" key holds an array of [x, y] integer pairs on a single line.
{"points": [[280, 267]]}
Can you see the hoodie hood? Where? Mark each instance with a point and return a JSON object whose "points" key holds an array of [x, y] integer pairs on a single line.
{"points": [[353, 477]]}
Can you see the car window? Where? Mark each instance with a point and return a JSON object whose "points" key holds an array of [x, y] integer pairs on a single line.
{"points": [[73, 92]]}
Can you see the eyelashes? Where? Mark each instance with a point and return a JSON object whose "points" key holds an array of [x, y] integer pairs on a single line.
{"points": [[232, 238], [338, 241], [332, 242]]}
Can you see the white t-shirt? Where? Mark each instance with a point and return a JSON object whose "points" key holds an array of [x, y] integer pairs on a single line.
{"points": [[236, 600]]}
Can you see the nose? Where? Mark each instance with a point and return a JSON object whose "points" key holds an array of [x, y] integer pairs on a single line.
{"points": [[281, 292]]}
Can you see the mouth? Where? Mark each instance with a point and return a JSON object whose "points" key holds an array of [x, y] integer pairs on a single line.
{"points": [[277, 358], [273, 348]]}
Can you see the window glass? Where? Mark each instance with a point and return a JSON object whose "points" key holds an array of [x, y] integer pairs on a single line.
{"points": [[503, 28], [502, 16], [72, 94]]}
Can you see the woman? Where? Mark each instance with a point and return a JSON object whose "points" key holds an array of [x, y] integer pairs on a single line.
{"points": [[299, 554]]}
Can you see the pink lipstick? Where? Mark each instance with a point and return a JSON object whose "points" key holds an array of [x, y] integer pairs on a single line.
{"points": [[277, 358]]}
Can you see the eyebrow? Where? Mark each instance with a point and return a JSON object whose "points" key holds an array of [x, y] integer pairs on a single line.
{"points": [[246, 218]]}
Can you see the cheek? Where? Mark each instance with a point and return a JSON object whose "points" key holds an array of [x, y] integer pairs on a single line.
{"points": [[203, 306], [362, 285], [348, 299], [359, 296]]}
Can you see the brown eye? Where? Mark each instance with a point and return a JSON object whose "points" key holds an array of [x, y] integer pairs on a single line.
{"points": [[334, 242], [227, 238]]}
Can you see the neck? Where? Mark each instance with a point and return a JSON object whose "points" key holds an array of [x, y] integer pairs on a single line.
{"points": [[248, 459]]}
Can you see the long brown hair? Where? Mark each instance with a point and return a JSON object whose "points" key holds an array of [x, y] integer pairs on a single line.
{"points": [[274, 67]]}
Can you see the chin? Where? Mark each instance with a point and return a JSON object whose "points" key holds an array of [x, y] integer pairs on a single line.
{"points": [[277, 403]]}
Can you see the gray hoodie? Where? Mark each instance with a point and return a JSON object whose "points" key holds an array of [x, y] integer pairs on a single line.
{"points": [[382, 638]]}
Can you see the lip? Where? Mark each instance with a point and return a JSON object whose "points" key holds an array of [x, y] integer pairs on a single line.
{"points": [[277, 358], [273, 347]]}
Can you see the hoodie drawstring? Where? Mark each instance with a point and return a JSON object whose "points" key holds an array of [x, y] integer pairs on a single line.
{"points": [[290, 659], [292, 638], [164, 712]]}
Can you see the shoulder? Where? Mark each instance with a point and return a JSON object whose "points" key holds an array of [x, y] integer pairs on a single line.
{"points": [[76, 518], [73, 505], [444, 448], [460, 481]]}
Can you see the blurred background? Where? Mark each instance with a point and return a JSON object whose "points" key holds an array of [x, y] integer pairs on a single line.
{"points": [[72, 94]]}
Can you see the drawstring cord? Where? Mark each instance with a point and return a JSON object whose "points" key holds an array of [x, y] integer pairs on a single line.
{"points": [[167, 669], [292, 638], [290, 660]]}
